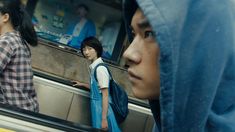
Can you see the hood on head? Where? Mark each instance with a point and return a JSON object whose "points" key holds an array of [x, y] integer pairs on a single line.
{"points": [[197, 60]]}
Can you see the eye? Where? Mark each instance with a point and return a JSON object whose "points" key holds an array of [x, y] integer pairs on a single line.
{"points": [[83, 49], [148, 34]]}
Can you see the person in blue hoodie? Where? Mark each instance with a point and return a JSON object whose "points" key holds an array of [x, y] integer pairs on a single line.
{"points": [[182, 58], [82, 29]]}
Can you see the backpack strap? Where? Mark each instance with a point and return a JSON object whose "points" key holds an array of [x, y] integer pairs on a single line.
{"points": [[102, 64]]}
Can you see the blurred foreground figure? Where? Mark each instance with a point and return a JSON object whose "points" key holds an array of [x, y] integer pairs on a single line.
{"points": [[182, 58], [16, 75]]}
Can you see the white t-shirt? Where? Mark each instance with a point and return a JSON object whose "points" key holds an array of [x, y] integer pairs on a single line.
{"points": [[102, 77], [102, 73]]}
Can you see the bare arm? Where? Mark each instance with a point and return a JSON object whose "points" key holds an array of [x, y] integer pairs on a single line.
{"points": [[78, 83], [103, 80], [104, 108]]}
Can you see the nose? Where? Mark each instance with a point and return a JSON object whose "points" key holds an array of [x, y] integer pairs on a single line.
{"points": [[132, 55], [85, 51]]}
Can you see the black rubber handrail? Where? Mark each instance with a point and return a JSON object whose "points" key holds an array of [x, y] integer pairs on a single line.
{"points": [[44, 120]]}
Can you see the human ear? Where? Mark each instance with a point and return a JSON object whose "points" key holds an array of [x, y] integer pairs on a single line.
{"points": [[5, 17]]}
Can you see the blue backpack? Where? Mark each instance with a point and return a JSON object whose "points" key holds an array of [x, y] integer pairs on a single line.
{"points": [[119, 98]]}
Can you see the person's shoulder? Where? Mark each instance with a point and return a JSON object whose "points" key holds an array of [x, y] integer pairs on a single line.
{"points": [[102, 71], [7, 44], [8, 39], [4, 42], [102, 68]]}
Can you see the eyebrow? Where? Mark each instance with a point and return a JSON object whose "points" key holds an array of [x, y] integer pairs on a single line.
{"points": [[143, 24]]}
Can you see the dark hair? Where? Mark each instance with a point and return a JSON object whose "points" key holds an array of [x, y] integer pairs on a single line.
{"points": [[20, 20], [128, 14], [94, 43], [83, 6]]}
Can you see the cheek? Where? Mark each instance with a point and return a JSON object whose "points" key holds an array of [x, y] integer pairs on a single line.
{"points": [[152, 73], [149, 86], [94, 53], [153, 84]]}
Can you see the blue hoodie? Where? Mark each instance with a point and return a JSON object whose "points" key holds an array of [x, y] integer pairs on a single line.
{"points": [[197, 62]]}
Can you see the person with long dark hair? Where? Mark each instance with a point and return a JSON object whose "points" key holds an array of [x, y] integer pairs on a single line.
{"points": [[16, 75]]}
